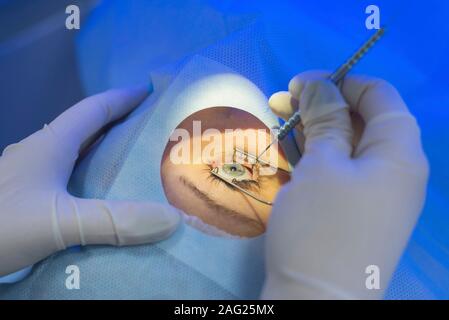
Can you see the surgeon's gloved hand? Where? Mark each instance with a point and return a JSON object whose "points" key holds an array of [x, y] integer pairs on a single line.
{"points": [[39, 217], [346, 207]]}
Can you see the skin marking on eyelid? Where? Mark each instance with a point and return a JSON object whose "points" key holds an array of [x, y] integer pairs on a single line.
{"points": [[213, 205]]}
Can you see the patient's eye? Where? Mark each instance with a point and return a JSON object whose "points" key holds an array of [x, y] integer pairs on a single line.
{"points": [[235, 172], [234, 169]]}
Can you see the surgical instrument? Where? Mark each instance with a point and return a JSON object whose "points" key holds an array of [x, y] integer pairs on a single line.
{"points": [[335, 77]]}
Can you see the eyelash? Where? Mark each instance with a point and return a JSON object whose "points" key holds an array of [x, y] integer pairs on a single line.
{"points": [[245, 184]]}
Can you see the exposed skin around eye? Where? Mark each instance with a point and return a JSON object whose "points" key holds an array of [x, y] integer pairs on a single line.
{"points": [[191, 187]]}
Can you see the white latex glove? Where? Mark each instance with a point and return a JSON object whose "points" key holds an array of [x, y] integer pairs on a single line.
{"points": [[345, 207], [39, 217]]}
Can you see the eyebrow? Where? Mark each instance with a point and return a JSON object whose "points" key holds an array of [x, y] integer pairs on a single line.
{"points": [[213, 205]]}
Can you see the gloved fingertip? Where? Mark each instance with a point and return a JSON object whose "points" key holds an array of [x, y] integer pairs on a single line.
{"points": [[298, 82], [277, 100], [156, 224], [9, 149], [283, 104], [142, 90], [126, 222], [139, 91], [174, 217], [163, 223]]}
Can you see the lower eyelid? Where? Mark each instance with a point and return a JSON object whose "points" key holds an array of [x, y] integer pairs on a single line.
{"points": [[216, 179]]}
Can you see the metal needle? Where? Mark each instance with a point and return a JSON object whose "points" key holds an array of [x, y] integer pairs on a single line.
{"points": [[335, 77]]}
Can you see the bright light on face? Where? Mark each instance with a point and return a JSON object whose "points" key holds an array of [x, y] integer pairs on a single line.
{"points": [[191, 186]]}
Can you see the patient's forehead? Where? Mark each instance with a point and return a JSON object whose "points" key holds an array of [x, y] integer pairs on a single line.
{"points": [[222, 118], [237, 128]]}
